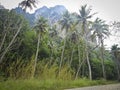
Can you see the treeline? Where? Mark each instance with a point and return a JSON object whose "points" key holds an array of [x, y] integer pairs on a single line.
{"points": [[72, 48]]}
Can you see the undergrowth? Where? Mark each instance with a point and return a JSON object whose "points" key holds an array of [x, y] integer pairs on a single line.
{"points": [[46, 77], [51, 84]]}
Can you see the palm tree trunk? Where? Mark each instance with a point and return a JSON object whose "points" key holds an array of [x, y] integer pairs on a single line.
{"points": [[51, 55], [71, 56], [86, 49], [89, 66], [11, 42], [118, 72], [88, 62], [36, 56], [102, 56], [117, 67], [80, 64], [3, 40], [87, 58], [62, 56]]}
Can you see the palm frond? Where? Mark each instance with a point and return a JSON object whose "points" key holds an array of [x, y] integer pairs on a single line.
{"points": [[28, 4]]}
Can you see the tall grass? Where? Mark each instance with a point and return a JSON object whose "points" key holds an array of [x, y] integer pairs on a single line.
{"points": [[23, 69], [20, 69], [46, 77]]}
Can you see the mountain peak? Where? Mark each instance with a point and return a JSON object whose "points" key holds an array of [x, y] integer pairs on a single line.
{"points": [[44, 7], [53, 14]]}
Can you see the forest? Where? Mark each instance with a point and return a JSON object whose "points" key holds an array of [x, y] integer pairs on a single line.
{"points": [[72, 49]]}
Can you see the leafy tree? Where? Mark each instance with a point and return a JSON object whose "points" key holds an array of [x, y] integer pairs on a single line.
{"points": [[28, 45], [11, 27]]}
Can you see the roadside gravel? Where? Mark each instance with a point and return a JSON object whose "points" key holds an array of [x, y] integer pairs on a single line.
{"points": [[101, 87]]}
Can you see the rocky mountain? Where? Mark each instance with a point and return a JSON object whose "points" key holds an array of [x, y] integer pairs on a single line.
{"points": [[28, 16], [53, 14]]}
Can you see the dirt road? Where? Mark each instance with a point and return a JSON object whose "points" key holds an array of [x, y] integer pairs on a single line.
{"points": [[102, 87]]}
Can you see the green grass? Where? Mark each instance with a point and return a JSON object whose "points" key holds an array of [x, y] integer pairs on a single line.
{"points": [[34, 84]]}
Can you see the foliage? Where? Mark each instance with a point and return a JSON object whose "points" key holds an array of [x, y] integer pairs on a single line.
{"points": [[51, 84], [28, 4], [43, 58]]}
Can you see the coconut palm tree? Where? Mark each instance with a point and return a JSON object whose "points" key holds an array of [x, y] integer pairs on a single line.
{"points": [[40, 27], [66, 23], [83, 17], [101, 30], [28, 4]]}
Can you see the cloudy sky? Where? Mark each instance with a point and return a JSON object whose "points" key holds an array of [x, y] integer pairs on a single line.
{"points": [[108, 10]]}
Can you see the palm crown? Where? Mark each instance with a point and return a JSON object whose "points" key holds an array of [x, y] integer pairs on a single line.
{"points": [[100, 28], [28, 4]]}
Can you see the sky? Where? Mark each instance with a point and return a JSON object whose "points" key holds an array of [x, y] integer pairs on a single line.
{"points": [[106, 9]]}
